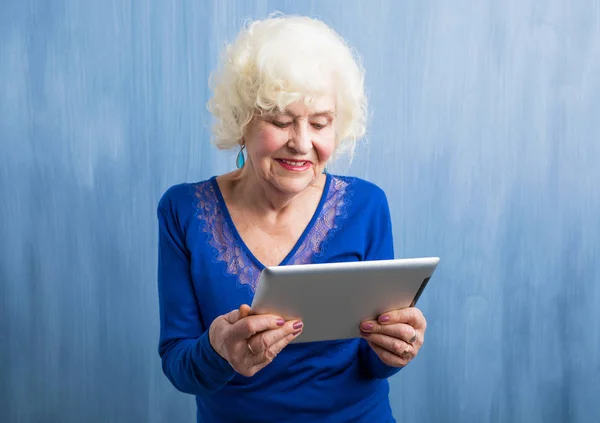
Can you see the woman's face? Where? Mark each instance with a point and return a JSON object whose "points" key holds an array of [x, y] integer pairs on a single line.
{"points": [[289, 150]]}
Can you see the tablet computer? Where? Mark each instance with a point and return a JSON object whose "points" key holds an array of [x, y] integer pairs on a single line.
{"points": [[332, 299]]}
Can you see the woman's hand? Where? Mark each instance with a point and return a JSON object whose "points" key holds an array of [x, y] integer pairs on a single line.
{"points": [[396, 336], [250, 342]]}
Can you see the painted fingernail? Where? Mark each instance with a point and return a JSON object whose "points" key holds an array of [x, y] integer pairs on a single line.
{"points": [[297, 325], [384, 318], [280, 322], [367, 326]]}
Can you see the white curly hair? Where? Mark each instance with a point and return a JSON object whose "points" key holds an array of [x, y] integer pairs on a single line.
{"points": [[280, 60]]}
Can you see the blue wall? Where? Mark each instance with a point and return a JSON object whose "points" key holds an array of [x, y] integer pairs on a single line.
{"points": [[485, 135]]}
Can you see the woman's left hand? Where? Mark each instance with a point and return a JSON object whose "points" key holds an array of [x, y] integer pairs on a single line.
{"points": [[396, 336]]}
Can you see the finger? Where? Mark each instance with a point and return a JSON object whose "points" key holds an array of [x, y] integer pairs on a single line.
{"points": [[398, 330], [263, 342], [251, 325], [393, 345], [411, 316], [388, 357], [272, 352], [272, 347], [278, 346]]}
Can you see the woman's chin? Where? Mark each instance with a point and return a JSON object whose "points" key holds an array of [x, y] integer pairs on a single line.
{"points": [[295, 184]]}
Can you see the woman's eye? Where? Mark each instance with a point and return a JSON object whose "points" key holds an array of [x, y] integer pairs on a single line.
{"points": [[318, 126], [281, 124]]}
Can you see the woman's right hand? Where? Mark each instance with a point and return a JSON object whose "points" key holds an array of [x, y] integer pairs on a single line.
{"points": [[250, 342]]}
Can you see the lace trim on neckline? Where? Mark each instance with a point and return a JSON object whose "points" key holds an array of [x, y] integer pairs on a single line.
{"points": [[228, 251]]}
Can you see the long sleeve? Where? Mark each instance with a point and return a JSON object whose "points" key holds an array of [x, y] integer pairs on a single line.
{"points": [[380, 246], [188, 359]]}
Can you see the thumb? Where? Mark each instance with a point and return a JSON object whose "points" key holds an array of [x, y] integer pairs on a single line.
{"points": [[235, 316], [245, 311], [232, 317]]}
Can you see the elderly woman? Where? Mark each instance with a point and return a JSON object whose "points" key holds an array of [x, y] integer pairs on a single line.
{"points": [[289, 95]]}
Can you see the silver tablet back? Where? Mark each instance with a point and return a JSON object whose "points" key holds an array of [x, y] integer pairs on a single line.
{"points": [[332, 299]]}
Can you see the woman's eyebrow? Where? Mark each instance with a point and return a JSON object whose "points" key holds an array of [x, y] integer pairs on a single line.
{"points": [[324, 113], [330, 113]]}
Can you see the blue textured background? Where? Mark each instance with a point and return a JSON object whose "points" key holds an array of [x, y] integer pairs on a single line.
{"points": [[485, 135]]}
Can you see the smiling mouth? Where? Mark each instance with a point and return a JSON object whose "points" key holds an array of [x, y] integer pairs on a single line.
{"points": [[294, 163]]}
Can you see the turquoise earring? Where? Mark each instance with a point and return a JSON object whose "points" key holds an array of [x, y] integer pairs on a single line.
{"points": [[240, 161]]}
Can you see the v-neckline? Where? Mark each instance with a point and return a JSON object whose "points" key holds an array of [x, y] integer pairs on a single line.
{"points": [[239, 239]]}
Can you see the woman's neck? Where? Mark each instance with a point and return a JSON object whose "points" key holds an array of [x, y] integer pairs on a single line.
{"points": [[247, 191]]}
